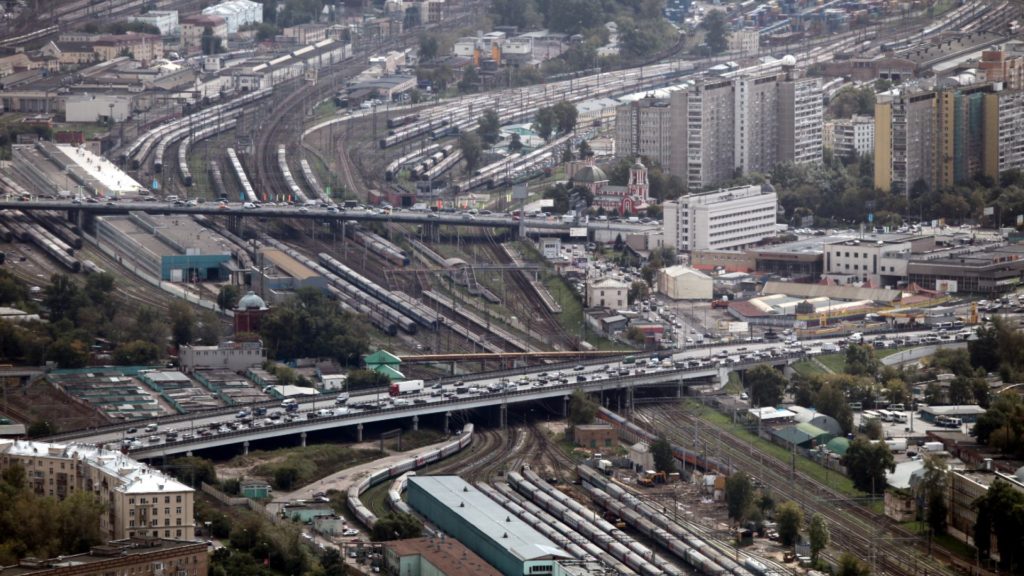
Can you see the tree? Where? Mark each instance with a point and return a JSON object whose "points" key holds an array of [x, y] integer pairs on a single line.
{"points": [[209, 43], [585, 150], [182, 322], [470, 80], [567, 155], [79, 525], [717, 36], [285, 477], [429, 47], [999, 514], [790, 518], [850, 565], [472, 148], [766, 385], [830, 401], [68, 352], [565, 116], [544, 122], [867, 463], [739, 494], [366, 379], [661, 451], [39, 428], [819, 536], [396, 526], [516, 143], [860, 360], [193, 470], [489, 127], [638, 290], [310, 325], [227, 297], [62, 298], [873, 429], [136, 353], [582, 409]]}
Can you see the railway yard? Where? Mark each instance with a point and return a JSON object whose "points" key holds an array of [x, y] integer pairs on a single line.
{"points": [[423, 288]]}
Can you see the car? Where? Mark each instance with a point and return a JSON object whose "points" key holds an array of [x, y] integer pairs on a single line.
{"points": [[744, 396], [350, 532], [578, 367], [132, 430]]}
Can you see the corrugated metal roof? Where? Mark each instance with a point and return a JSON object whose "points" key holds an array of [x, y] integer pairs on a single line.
{"points": [[504, 528]]}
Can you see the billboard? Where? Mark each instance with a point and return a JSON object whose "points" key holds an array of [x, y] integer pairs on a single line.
{"points": [[947, 286], [735, 327], [578, 232], [546, 203], [990, 210]]}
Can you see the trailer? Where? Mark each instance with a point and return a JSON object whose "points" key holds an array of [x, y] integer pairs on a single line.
{"points": [[406, 387]]}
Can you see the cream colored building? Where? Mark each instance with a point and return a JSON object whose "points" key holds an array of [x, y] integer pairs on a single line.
{"points": [[139, 500], [608, 293], [193, 27], [685, 283]]}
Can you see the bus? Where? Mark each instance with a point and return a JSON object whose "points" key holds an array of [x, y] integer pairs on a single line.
{"points": [[867, 416], [899, 417], [885, 415]]}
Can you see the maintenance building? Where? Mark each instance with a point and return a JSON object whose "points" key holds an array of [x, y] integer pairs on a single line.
{"points": [[488, 529]]}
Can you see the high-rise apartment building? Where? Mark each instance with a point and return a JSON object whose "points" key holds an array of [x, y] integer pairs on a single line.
{"points": [[644, 128], [139, 500], [851, 137], [941, 136], [727, 219], [720, 126]]}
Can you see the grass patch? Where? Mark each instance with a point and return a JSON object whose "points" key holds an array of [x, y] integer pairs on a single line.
{"points": [[834, 362], [806, 368], [416, 439], [376, 498], [833, 479], [310, 463]]}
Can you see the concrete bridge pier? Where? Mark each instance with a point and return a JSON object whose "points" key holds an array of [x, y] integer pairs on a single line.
{"points": [[359, 432], [565, 406], [415, 422], [503, 416], [189, 453], [245, 448], [303, 437], [447, 416]]}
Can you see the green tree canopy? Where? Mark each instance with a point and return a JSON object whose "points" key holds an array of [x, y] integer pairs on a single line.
{"points": [[766, 385], [396, 526], [312, 326], [790, 518], [582, 409], [867, 464], [818, 535], [717, 31], [661, 451], [489, 127], [739, 495], [471, 146]]}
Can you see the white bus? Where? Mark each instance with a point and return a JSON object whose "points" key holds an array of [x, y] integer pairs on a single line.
{"points": [[899, 417]]}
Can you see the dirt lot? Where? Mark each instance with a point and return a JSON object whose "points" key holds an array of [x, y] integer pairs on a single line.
{"points": [[40, 401]]}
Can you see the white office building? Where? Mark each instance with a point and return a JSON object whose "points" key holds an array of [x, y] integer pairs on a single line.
{"points": [[237, 13], [165, 20], [853, 137], [727, 219]]}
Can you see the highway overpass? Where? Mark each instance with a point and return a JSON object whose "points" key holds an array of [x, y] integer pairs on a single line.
{"points": [[431, 404]]}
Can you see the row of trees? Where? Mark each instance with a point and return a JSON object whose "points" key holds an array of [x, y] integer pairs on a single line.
{"points": [[42, 526]]}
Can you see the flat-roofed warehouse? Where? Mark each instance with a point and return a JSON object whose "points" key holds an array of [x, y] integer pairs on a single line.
{"points": [[279, 275], [484, 526], [174, 248]]}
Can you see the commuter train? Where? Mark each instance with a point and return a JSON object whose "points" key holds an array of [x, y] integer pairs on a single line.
{"points": [[355, 504]]}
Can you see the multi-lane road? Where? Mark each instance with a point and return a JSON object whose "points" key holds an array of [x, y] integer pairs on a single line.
{"points": [[242, 424]]}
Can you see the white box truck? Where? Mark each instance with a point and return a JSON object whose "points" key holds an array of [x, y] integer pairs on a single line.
{"points": [[406, 387]]}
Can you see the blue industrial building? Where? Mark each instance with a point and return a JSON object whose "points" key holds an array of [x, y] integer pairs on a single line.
{"points": [[484, 526]]}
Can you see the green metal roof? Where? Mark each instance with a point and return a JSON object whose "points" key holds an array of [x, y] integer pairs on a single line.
{"points": [[381, 357], [838, 445], [390, 372]]}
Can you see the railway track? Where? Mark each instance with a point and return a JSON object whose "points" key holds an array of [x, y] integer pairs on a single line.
{"points": [[853, 527]]}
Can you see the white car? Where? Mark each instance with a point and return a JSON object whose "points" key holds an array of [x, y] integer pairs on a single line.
{"points": [[350, 532]]}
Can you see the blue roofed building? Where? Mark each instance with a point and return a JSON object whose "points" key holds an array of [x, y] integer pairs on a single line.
{"points": [[484, 526]]}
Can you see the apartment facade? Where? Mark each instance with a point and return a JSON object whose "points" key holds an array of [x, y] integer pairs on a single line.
{"points": [[644, 128], [140, 501], [727, 219], [193, 27], [608, 293], [749, 123], [851, 137], [943, 136]]}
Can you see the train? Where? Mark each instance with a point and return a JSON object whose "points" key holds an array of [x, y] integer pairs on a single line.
{"points": [[311, 181], [402, 120], [26, 231], [248, 193], [398, 300], [90, 267], [411, 131], [685, 544], [378, 245], [353, 299], [140, 149], [295, 193], [422, 169], [355, 504], [217, 180], [186, 144], [391, 172], [53, 223], [634, 555]]}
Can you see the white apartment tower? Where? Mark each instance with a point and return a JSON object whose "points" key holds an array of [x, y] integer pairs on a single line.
{"points": [[727, 219]]}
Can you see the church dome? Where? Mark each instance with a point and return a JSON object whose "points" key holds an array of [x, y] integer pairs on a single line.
{"points": [[251, 301], [639, 164], [589, 175]]}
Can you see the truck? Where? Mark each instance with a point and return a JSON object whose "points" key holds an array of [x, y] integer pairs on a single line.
{"points": [[933, 447], [406, 387], [605, 466], [719, 303], [897, 444]]}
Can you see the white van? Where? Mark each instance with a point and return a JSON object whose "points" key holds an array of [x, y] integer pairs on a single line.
{"points": [[151, 427], [289, 402]]}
